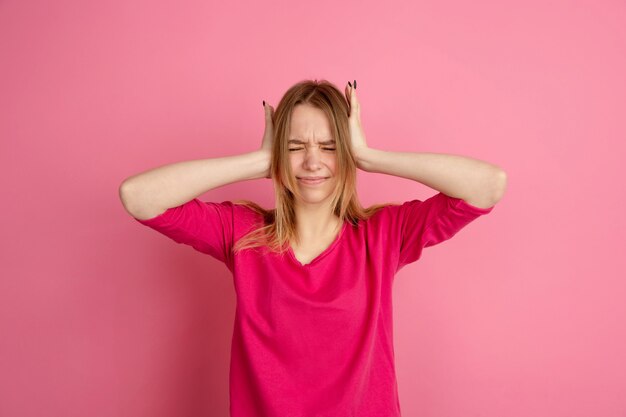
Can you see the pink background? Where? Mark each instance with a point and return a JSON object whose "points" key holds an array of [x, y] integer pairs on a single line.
{"points": [[521, 314]]}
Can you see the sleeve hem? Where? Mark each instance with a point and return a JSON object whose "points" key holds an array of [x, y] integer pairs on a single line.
{"points": [[471, 208], [164, 218], [158, 219], [463, 205]]}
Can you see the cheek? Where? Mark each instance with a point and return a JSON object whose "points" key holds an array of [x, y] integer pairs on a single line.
{"points": [[332, 164], [294, 168]]}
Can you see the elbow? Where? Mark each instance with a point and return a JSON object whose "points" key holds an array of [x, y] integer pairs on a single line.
{"points": [[125, 194], [499, 185], [133, 202], [490, 190]]}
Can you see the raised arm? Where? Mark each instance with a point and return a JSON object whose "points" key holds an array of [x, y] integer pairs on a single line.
{"points": [[150, 193], [479, 183]]}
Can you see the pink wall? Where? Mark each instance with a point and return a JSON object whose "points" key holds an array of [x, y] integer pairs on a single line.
{"points": [[521, 314]]}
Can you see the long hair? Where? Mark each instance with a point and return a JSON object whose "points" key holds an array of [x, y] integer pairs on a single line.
{"points": [[279, 224]]}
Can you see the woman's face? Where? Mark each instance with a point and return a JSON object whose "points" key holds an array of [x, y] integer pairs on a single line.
{"points": [[312, 153]]}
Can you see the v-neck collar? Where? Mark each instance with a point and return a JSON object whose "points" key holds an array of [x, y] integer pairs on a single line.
{"points": [[325, 252]]}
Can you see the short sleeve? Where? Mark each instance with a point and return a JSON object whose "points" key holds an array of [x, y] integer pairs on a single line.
{"points": [[206, 226], [432, 221]]}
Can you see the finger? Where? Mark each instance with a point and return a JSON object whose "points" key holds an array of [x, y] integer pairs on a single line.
{"points": [[352, 92], [353, 102], [268, 110]]}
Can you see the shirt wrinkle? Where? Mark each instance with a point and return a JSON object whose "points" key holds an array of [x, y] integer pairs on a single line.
{"points": [[316, 339]]}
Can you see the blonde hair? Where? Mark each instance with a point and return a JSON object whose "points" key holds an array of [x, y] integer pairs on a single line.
{"points": [[279, 224]]}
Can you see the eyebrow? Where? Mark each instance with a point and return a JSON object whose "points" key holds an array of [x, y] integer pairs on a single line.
{"points": [[298, 141]]}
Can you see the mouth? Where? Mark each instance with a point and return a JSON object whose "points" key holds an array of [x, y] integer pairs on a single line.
{"points": [[312, 181]]}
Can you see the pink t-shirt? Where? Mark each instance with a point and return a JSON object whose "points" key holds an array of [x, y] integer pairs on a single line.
{"points": [[316, 340]]}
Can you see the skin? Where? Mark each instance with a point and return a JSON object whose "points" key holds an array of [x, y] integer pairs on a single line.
{"points": [[478, 183], [315, 219]]}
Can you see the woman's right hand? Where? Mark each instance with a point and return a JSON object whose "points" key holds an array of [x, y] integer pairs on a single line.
{"points": [[268, 135]]}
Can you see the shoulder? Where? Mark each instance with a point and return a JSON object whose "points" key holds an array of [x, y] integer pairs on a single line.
{"points": [[248, 216], [250, 210], [378, 214]]}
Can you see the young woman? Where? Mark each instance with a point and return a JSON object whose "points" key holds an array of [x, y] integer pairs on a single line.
{"points": [[313, 277]]}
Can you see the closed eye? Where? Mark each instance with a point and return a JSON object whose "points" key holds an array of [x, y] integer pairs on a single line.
{"points": [[299, 149]]}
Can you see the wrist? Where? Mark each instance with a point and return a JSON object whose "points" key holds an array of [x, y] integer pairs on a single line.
{"points": [[364, 158], [263, 158]]}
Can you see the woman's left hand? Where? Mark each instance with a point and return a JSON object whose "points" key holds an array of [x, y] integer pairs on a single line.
{"points": [[357, 137]]}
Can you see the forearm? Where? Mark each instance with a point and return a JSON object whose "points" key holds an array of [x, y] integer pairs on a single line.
{"points": [[475, 181], [175, 184]]}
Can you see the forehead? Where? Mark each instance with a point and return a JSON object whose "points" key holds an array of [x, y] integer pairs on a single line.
{"points": [[309, 124]]}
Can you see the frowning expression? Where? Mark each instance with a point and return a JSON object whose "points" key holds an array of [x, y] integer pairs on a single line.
{"points": [[312, 153]]}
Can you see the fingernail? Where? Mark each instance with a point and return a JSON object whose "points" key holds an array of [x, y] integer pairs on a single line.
{"points": [[349, 84], [354, 83], [263, 103]]}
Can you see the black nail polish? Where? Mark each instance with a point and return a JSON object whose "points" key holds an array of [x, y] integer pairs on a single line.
{"points": [[349, 84], [263, 103], [355, 84]]}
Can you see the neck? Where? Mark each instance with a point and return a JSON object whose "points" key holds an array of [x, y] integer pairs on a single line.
{"points": [[316, 222]]}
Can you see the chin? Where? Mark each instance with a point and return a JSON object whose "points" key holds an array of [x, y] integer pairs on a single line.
{"points": [[315, 197]]}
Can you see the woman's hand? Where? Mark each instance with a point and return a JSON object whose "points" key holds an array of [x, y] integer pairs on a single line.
{"points": [[357, 137], [268, 135]]}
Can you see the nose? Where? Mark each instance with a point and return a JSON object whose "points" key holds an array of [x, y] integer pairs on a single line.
{"points": [[312, 159]]}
